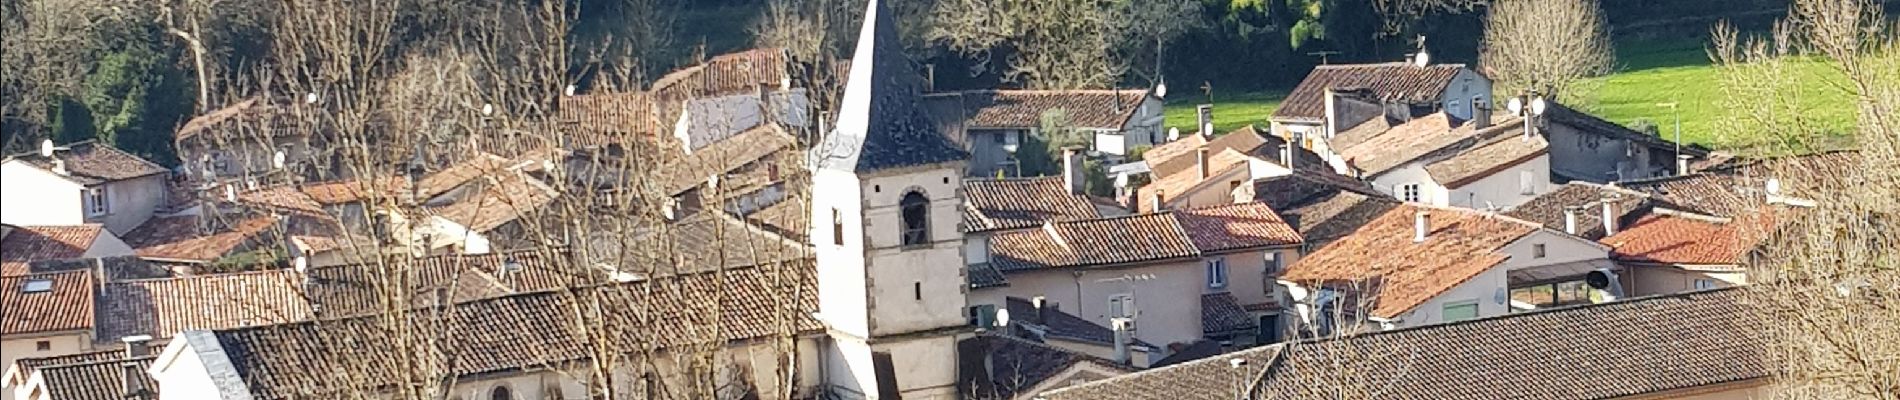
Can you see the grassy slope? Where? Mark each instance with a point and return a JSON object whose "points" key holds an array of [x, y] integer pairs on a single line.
{"points": [[1680, 71], [1651, 73], [1231, 111]]}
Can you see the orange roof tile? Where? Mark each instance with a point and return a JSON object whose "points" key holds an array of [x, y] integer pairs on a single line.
{"points": [[994, 204], [65, 303], [1683, 239], [36, 243], [179, 238], [1460, 245], [163, 307], [1173, 186]]}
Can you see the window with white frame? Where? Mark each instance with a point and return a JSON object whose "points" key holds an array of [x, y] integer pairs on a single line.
{"points": [[1121, 306], [1273, 264], [1217, 273], [1705, 284], [96, 204], [1460, 311], [1408, 192]]}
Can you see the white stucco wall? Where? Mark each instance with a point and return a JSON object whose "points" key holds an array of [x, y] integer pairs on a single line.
{"points": [[926, 367], [1486, 289], [1168, 305], [914, 288], [108, 245], [1457, 97], [1657, 279], [181, 374], [841, 276], [1504, 189], [133, 201], [1430, 192], [15, 347], [33, 196]]}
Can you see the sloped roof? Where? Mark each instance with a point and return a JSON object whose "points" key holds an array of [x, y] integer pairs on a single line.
{"points": [[1548, 209], [1174, 157], [1171, 187], [882, 122], [737, 72], [1003, 367], [530, 330], [163, 307], [179, 238], [1394, 82], [1088, 109], [30, 243], [1141, 237], [1684, 239], [1060, 324], [1419, 138], [723, 157], [1221, 313], [1322, 206], [1402, 273], [67, 305], [997, 204], [356, 289], [89, 163], [1486, 159], [628, 119], [1648, 345], [506, 197], [97, 380]]}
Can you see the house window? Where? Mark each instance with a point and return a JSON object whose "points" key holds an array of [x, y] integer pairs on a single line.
{"points": [[1269, 329], [501, 393], [916, 210], [1460, 311], [1704, 284], [1407, 192], [1273, 264], [1537, 250], [43, 345], [983, 316], [1217, 273], [96, 204], [1526, 183], [837, 227], [1121, 306]]}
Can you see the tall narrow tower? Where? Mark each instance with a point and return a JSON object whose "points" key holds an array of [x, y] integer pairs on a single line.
{"points": [[885, 209]]}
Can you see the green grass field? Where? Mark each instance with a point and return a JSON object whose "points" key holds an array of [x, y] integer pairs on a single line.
{"points": [[1651, 73], [1231, 111]]}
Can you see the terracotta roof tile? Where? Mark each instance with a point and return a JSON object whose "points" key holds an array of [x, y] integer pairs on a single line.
{"points": [[282, 198], [356, 289], [1171, 186], [1684, 239], [724, 157], [98, 380], [1235, 226], [530, 330], [1416, 139], [628, 119], [1394, 82], [737, 72], [1060, 324], [179, 237], [1174, 157], [789, 218], [88, 163], [1088, 109], [26, 366], [1460, 245], [1548, 209], [65, 304], [1004, 367], [1360, 133], [1330, 216], [1650, 345], [1020, 203], [506, 197], [27, 244], [1221, 313], [1486, 159], [984, 275], [243, 120], [164, 307]]}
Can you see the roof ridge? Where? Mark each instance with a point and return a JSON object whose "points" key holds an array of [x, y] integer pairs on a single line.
{"points": [[205, 276], [114, 360]]}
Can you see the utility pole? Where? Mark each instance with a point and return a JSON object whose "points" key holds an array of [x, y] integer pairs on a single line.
{"points": [[1675, 107]]}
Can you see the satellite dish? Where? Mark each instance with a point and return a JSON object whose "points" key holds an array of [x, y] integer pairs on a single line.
{"points": [[1002, 318], [1423, 58], [46, 148], [1174, 134], [1161, 90], [785, 83], [488, 109], [277, 160], [547, 165], [1598, 279], [230, 193], [570, 91], [1538, 105], [310, 98], [1516, 105], [1774, 186]]}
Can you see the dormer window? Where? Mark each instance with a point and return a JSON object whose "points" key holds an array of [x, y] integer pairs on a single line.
{"points": [[916, 214], [96, 204]]}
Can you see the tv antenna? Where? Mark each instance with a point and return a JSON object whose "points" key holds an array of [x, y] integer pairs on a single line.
{"points": [[1323, 55]]}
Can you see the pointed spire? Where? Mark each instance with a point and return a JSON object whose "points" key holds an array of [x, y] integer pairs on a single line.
{"points": [[881, 123]]}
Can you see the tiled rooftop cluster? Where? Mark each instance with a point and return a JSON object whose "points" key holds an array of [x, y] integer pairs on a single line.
{"points": [[1141, 238]]}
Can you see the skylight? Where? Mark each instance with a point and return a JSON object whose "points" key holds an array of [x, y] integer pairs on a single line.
{"points": [[37, 285]]}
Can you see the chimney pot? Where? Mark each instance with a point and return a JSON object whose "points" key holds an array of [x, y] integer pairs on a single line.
{"points": [[1123, 335], [130, 371], [1042, 309], [1682, 164], [1422, 226]]}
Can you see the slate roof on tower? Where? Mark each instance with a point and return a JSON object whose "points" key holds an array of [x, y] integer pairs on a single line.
{"points": [[882, 123]]}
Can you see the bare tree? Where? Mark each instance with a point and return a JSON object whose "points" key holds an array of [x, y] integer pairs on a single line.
{"points": [[1830, 296], [1399, 16], [1547, 45], [1049, 44]]}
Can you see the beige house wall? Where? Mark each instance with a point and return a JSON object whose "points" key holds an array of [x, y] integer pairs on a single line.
{"points": [[15, 347], [1647, 279], [1168, 304]]}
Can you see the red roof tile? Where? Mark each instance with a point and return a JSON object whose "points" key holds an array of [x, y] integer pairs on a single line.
{"points": [[1460, 245], [37, 243], [1684, 239], [163, 307], [65, 304], [1395, 82], [996, 204], [1235, 226], [1141, 237], [179, 237], [1090, 109]]}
